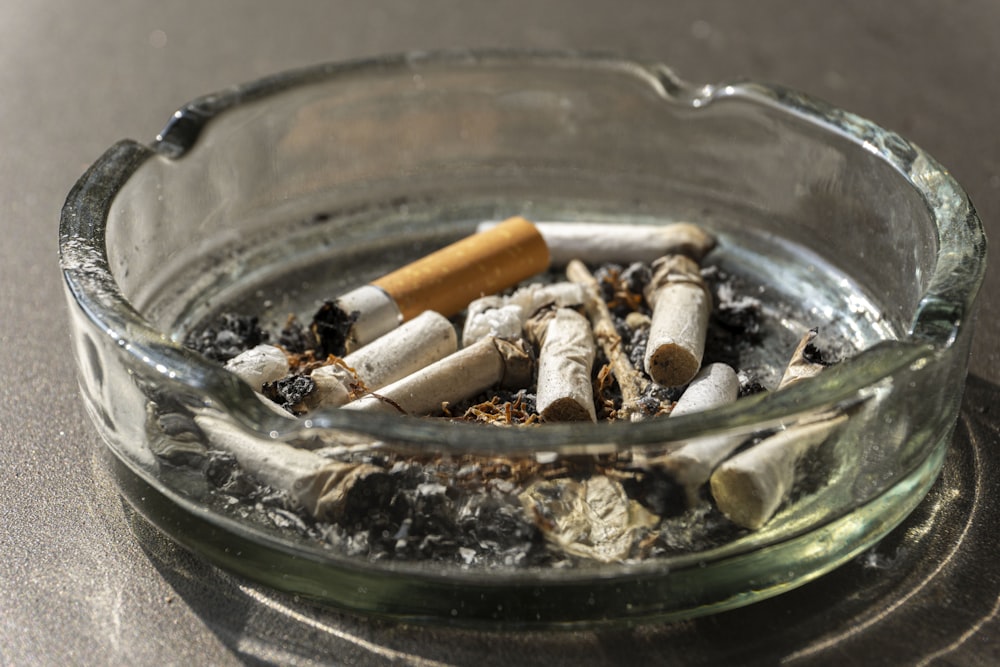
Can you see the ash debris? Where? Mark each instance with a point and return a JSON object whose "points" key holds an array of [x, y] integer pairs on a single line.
{"points": [[227, 336]]}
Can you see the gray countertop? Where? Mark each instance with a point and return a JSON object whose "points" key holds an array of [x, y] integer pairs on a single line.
{"points": [[78, 586]]}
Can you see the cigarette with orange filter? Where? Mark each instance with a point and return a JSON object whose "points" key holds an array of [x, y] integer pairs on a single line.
{"points": [[445, 281]]}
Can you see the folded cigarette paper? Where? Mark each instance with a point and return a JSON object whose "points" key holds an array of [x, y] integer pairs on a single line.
{"points": [[594, 518]]}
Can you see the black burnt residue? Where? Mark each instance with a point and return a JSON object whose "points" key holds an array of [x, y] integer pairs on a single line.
{"points": [[414, 511], [290, 392], [226, 337], [657, 491], [331, 327], [295, 337]]}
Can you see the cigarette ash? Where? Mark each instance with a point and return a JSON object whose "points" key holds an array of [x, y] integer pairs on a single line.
{"points": [[464, 512], [240, 494], [228, 336], [735, 325]]}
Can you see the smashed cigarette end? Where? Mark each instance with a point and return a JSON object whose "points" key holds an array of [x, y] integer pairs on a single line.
{"points": [[681, 307], [749, 487], [472, 370], [801, 366], [565, 391], [447, 280], [504, 316], [599, 243]]}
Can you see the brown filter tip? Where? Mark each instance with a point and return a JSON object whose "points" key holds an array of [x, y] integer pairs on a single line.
{"points": [[447, 280]]}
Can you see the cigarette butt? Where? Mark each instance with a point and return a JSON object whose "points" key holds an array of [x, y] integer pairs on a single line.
{"points": [[492, 316], [681, 308], [333, 387], [447, 280], [565, 392], [599, 243], [749, 487], [472, 370], [417, 343], [319, 484], [714, 385]]}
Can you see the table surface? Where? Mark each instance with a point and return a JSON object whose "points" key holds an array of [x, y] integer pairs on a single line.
{"points": [[79, 584]]}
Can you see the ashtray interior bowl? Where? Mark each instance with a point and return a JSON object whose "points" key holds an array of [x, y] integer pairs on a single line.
{"points": [[273, 196]]}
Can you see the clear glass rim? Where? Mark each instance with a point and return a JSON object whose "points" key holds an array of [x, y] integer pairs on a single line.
{"points": [[944, 309]]}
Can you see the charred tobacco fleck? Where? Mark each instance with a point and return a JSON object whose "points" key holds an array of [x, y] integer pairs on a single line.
{"points": [[636, 277], [815, 355], [289, 392], [224, 473]]}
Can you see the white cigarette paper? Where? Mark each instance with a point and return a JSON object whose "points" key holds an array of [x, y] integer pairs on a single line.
{"points": [[681, 307], [504, 316], [470, 371], [259, 365], [565, 362], [414, 345], [319, 484], [749, 487], [598, 243]]}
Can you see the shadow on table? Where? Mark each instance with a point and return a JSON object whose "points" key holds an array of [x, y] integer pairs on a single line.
{"points": [[889, 602]]}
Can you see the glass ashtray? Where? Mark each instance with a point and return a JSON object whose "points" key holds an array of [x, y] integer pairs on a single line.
{"points": [[271, 198]]}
